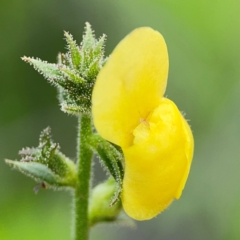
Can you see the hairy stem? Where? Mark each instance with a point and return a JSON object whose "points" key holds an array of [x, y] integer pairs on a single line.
{"points": [[81, 195]]}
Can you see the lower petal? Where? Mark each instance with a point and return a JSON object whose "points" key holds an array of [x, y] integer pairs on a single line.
{"points": [[157, 165]]}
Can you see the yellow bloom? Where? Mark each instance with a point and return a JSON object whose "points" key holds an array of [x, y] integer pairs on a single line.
{"points": [[129, 110]]}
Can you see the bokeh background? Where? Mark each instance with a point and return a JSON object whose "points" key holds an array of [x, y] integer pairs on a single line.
{"points": [[203, 39]]}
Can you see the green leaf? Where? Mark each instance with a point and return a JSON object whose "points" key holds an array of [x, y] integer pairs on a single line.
{"points": [[93, 69], [37, 171], [71, 109], [88, 38], [99, 47], [74, 50], [112, 160], [49, 70], [71, 75]]}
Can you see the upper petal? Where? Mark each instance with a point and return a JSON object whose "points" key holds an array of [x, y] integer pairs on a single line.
{"points": [[130, 85], [158, 163]]}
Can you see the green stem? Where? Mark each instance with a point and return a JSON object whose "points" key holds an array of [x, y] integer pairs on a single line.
{"points": [[81, 196]]}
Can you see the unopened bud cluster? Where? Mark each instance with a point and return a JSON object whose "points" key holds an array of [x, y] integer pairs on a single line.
{"points": [[76, 71], [46, 163]]}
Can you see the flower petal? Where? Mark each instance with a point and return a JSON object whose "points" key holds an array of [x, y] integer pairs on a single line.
{"points": [[130, 85], [157, 165]]}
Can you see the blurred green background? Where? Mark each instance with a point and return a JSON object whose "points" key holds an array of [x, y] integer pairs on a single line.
{"points": [[203, 39]]}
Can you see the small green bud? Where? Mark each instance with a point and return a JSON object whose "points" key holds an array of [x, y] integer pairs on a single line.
{"points": [[46, 163], [75, 73], [100, 207]]}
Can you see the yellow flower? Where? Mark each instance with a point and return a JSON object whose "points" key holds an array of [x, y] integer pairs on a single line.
{"points": [[129, 110]]}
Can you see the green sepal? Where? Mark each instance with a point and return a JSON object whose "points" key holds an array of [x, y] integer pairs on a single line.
{"points": [[73, 50], [46, 163], [100, 208], [112, 159]]}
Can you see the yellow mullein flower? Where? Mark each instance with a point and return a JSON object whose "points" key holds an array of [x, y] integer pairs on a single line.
{"points": [[129, 110]]}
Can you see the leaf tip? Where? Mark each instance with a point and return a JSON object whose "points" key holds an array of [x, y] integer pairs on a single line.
{"points": [[26, 59], [9, 162]]}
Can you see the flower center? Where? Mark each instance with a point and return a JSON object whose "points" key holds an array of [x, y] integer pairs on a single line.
{"points": [[141, 132]]}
